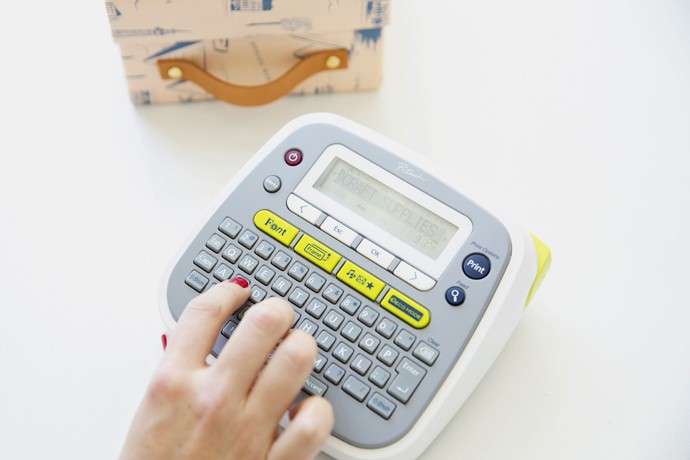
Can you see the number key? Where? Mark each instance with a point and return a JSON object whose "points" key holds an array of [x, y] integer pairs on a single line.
{"points": [[248, 239], [332, 293], [230, 227]]}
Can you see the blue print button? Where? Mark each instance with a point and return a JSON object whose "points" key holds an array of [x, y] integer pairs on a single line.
{"points": [[455, 296], [476, 266]]}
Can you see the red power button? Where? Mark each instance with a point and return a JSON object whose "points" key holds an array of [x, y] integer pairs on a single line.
{"points": [[293, 157]]}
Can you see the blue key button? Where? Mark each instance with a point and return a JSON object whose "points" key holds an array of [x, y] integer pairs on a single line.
{"points": [[455, 296], [476, 266]]}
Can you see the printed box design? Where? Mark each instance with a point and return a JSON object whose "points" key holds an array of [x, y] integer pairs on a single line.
{"points": [[246, 42], [187, 19]]}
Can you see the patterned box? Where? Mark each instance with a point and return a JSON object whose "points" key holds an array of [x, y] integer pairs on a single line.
{"points": [[247, 52]]}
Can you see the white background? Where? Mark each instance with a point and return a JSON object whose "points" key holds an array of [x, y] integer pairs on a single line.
{"points": [[575, 116]]}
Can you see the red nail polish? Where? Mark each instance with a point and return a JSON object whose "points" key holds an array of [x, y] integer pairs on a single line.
{"points": [[238, 280], [164, 341]]}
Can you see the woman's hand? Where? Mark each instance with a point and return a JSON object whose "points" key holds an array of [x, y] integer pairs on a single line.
{"points": [[231, 409]]}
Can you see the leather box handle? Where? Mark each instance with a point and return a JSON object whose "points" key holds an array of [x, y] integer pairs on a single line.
{"points": [[182, 69]]}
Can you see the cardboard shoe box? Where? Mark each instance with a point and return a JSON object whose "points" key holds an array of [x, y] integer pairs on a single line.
{"points": [[247, 52]]}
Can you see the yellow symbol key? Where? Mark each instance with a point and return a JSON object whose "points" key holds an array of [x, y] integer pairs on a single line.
{"points": [[361, 281]]}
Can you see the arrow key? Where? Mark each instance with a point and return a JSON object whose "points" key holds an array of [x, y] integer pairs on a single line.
{"points": [[303, 209], [413, 277]]}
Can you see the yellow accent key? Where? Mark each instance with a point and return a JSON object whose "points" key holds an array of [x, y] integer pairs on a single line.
{"points": [[275, 227], [406, 309], [317, 253], [361, 281]]}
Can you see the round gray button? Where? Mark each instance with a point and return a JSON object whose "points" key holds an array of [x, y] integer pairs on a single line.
{"points": [[272, 184]]}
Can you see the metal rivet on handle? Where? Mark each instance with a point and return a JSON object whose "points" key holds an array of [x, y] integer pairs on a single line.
{"points": [[332, 62], [175, 73]]}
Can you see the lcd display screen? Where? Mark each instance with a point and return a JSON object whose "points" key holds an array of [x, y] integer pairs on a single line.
{"points": [[387, 208]]}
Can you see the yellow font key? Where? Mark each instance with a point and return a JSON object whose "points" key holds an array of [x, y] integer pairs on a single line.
{"points": [[275, 227]]}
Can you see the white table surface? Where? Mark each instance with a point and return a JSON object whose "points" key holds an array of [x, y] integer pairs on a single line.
{"points": [[575, 116]]}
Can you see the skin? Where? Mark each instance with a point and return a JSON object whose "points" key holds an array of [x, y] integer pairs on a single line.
{"points": [[231, 409]]}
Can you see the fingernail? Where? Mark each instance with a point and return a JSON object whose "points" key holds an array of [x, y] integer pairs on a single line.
{"points": [[164, 341], [238, 280]]}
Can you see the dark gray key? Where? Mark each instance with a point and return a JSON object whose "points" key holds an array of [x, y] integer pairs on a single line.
{"points": [[351, 331], [264, 249], [298, 271], [281, 286], [248, 264], [387, 355], [409, 377], [223, 272], [316, 308], [386, 327], [315, 282], [230, 227], [332, 293], [281, 260], [368, 316], [360, 364], [369, 343], [356, 388], [196, 281], [215, 243], [405, 339], [218, 345], [264, 275], [334, 374], [243, 309], [248, 239], [333, 320], [350, 305], [379, 376], [426, 353], [325, 340], [205, 261], [381, 405], [314, 386], [232, 253], [343, 352], [298, 297]]}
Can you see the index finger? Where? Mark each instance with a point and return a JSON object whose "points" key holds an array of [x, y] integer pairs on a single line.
{"points": [[200, 322]]}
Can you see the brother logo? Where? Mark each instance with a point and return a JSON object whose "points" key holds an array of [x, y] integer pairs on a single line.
{"points": [[406, 170]]}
